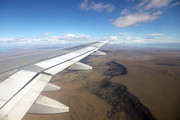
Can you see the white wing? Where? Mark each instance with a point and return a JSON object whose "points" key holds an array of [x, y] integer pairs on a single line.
{"points": [[24, 78]]}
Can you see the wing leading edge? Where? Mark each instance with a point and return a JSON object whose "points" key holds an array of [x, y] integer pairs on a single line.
{"points": [[22, 84]]}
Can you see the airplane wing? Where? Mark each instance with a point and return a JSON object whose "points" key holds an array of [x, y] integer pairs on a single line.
{"points": [[22, 79]]}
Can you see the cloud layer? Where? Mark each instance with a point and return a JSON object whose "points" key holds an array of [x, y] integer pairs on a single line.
{"points": [[175, 4], [43, 39], [96, 6], [69, 38], [158, 4], [145, 11], [44, 34], [135, 18], [125, 33], [157, 34], [133, 40]]}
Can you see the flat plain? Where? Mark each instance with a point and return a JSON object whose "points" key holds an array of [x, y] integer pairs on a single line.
{"points": [[153, 77]]}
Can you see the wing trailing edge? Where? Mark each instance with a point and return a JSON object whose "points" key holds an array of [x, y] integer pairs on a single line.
{"points": [[45, 105], [51, 87]]}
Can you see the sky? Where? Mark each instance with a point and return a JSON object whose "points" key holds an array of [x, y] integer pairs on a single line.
{"points": [[42, 22]]}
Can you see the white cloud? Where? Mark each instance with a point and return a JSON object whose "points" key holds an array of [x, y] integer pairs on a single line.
{"points": [[125, 33], [134, 40], [175, 4], [125, 11], [54, 38], [44, 34], [68, 35], [142, 4], [81, 38], [149, 40], [142, 12], [5, 39], [110, 20], [157, 34], [133, 19], [83, 5], [111, 37], [34, 40], [137, 40], [151, 4], [157, 13], [165, 38], [137, 25], [158, 4], [130, 0], [71, 37], [96, 6]]}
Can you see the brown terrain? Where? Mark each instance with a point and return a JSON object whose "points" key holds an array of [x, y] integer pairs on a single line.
{"points": [[126, 84]]}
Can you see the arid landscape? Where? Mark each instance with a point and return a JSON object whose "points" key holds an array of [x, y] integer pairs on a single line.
{"points": [[138, 78], [126, 84]]}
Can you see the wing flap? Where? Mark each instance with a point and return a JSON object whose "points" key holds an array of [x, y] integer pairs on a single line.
{"points": [[13, 84], [45, 105], [51, 87], [19, 104]]}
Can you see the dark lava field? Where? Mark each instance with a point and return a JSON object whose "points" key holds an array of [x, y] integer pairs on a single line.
{"points": [[124, 104]]}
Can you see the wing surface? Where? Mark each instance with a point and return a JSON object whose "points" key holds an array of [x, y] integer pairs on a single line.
{"points": [[22, 80]]}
